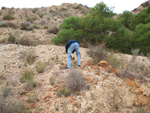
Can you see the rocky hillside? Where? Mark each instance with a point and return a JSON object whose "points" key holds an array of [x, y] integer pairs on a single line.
{"points": [[141, 7], [105, 90], [38, 23], [35, 79]]}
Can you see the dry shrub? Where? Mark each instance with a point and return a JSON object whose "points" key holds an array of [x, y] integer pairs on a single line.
{"points": [[27, 75], [26, 26], [9, 24], [97, 53], [5, 92], [8, 106], [40, 67], [53, 29], [31, 57], [114, 61], [74, 81], [28, 56], [28, 78], [27, 42], [137, 70]]}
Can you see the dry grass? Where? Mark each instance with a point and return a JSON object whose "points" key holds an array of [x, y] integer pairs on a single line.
{"points": [[97, 53], [63, 91], [53, 29], [40, 67], [137, 70], [8, 106], [114, 61], [74, 81], [31, 57], [28, 78], [6, 92]]}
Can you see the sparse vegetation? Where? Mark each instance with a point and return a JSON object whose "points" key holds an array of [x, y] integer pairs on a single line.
{"points": [[137, 70], [114, 61], [8, 106]]}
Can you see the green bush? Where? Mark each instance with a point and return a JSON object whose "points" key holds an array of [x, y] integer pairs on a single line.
{"points": [[142, 17], [120, 40], [3, 8], [8, 17], [141, 38], [65, 35], [71, 23], [101, 10], [126, 18]]}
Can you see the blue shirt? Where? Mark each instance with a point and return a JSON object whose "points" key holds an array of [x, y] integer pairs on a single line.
{"points": [[69, 43]]}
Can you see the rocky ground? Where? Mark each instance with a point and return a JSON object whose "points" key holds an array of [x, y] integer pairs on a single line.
{"points": [[105, 90]]}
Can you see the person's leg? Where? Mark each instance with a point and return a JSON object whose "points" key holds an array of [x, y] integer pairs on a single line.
{"points": [[70, 49], [77, 53]]}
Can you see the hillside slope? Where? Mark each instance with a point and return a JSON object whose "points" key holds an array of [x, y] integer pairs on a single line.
{"points": [[105, 92]]}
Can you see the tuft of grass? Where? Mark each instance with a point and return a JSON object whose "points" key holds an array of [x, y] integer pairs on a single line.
{"points": [[34, 10], [97, 53], [40, 67], [27, 75], [41, 15], [52, 81], [5, 92], [113, 61], [12, 39], [63, 91], [31, 57], [75, 81], [32, 99]]}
